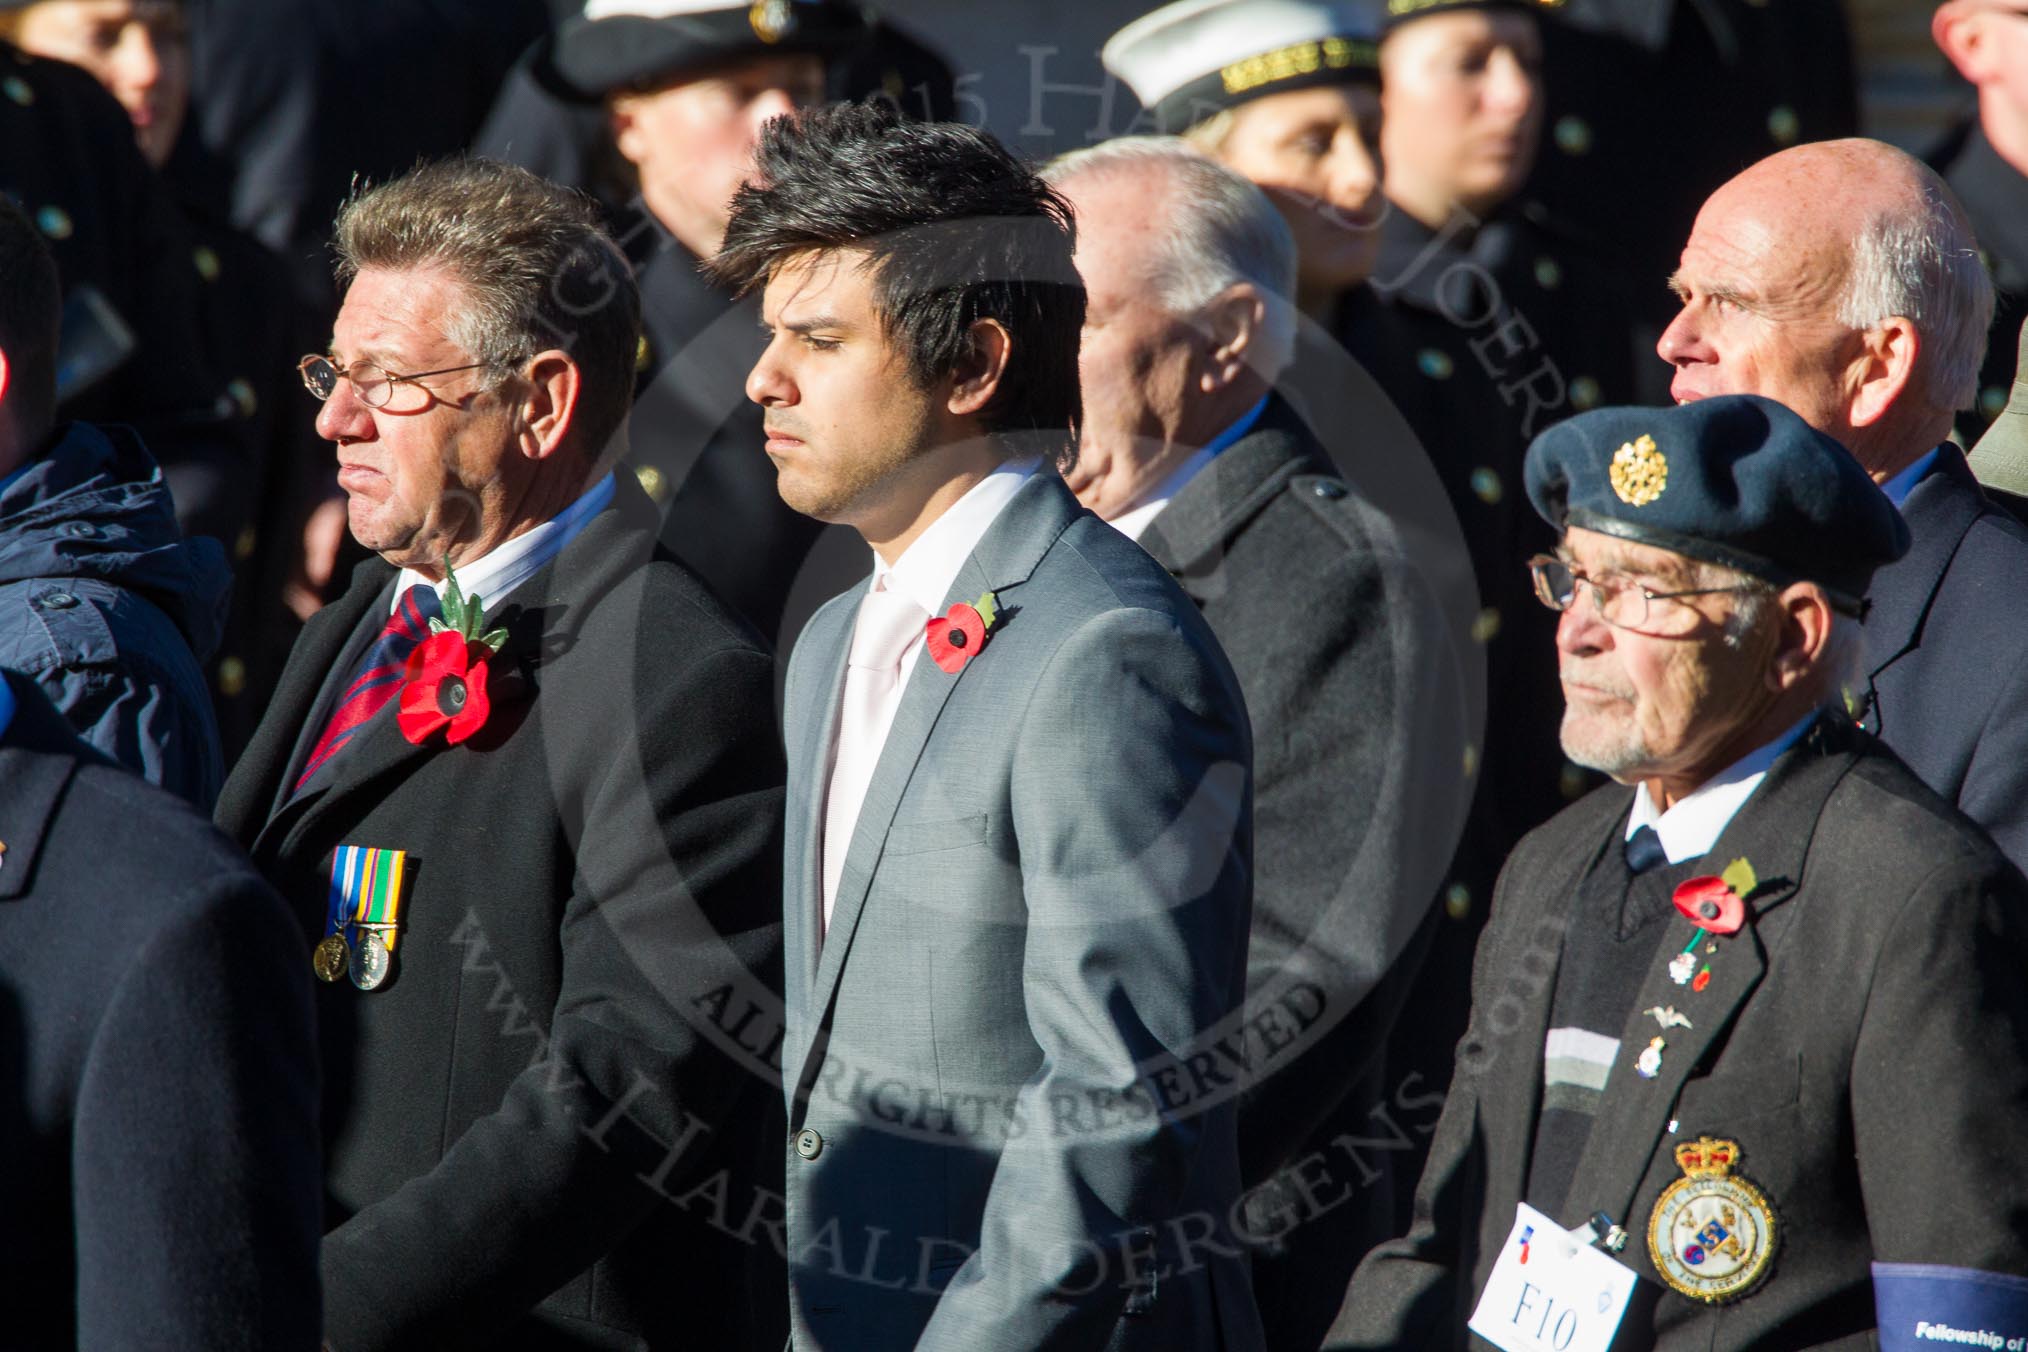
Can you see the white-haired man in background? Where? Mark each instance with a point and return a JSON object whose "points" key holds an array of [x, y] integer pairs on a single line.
{"points": [[1351, 682], [1842, 278]]}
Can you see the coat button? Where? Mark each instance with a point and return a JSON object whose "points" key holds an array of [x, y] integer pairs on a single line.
{"points": [[80, 530], [1330, 489], [58, 600], [809, 1144]]}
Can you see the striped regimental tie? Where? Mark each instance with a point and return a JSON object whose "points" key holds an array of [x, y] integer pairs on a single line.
{"points": [[377, 678]]}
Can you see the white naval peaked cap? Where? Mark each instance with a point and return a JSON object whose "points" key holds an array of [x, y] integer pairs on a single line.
{"points": [[1194, 58]]}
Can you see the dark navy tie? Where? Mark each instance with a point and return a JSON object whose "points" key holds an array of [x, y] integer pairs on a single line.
{"points": [[1644, 850]]}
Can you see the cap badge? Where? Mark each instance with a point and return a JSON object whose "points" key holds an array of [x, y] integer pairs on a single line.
{"points": [[771, 19], [1712, 1234], [1639, 472]]}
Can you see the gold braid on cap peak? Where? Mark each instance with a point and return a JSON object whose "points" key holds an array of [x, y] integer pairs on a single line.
{"points": [[1299, 58]]}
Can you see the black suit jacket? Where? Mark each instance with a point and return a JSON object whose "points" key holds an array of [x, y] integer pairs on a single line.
{"points": [[578, 1027], [1864, 1039], [1355, 687], [157, 1098], [1947, 647]]}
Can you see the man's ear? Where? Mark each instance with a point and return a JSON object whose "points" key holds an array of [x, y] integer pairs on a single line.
{"points": [[1232, 322], [978, 376], [1884, 370], [623, 120], [548, 406], [1960, 32], [1804, 634]]}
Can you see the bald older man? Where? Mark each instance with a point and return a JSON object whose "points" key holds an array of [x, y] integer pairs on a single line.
{"points": [[1842, 279]]}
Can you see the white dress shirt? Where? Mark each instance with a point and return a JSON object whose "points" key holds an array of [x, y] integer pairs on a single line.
{"points": [[506, 566], [1132, 522], [928, 567], [1690, 828]]}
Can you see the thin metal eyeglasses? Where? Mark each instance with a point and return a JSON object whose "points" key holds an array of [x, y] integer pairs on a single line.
{"points": [[1621, 602], [373, 384]]}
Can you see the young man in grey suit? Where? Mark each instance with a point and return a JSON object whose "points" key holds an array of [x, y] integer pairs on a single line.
{"points": [[1020, 815]]}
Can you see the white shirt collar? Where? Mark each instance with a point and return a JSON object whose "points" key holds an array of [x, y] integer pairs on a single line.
{"points": [[1901, 485], [1690, 828], [1133, 522], [494, 574], [928, 567]]}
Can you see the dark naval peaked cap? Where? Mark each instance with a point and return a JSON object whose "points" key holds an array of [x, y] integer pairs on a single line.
{"points": [[1735, 480], [1400, 12], [1189, 61], [629, 44]]}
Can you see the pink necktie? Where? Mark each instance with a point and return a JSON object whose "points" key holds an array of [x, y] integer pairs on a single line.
{"points": [[888, 623]]}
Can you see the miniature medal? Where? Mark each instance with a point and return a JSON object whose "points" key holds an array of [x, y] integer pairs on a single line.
{"points": [[371, 961], [1650, 1063], [330, 958], [1712, 1234], [363, 922]]}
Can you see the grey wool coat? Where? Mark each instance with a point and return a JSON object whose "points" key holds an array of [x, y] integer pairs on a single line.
{"points": [[996, 1138]]}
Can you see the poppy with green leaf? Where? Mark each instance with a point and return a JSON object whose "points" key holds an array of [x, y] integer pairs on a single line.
{"points": [[444, 682]]}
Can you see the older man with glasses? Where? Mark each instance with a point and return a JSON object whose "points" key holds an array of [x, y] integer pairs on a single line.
{"points": [[521, 784], [1764, 995]]}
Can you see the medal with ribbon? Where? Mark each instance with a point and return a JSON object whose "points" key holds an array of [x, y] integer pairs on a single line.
{"points": [[362, 920]]}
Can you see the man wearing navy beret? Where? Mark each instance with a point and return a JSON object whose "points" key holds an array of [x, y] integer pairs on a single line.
{"points": [[1745, 1065]]}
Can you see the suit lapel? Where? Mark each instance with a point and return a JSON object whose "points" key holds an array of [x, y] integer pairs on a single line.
{"points": [[257, 790], [816, 684], [1939, 511], [1772, 831], [1189, 536], [1002, 562]]}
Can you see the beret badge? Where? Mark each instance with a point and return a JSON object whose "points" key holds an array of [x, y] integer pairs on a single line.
{"points": [[771, 19], [1639, 472]]}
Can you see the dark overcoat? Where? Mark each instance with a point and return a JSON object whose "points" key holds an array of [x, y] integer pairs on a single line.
{"points": [[158, 1104], [578, 1028], [1354, 684], [1947, 647], [1864, 1040]]}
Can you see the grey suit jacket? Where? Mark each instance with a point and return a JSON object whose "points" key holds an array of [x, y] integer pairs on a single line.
{"points": [[1011, 1110]]}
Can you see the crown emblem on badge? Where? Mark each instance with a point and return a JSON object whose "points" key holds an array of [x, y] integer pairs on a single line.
{"points": [[771, 19], [1712, 1234], [1639, 472], [1707, 1158]]}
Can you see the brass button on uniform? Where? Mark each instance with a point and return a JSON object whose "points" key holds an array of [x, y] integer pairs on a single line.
{"points": [[809, 1144]]}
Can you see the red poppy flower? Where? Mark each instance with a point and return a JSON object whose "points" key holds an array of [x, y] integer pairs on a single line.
{"points": [[1711, 905], [445, 687], [1702, 980], [956, 636]]}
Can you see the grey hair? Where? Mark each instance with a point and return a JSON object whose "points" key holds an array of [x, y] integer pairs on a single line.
{"points": [[535, 268], [1920, 260], [1843, 662], [1222, 231]]}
